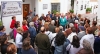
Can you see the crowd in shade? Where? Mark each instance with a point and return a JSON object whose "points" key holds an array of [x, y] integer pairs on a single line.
{"points": [[51, 34]]}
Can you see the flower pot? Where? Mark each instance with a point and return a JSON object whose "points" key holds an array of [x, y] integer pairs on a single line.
{"points": [[87, 12]]}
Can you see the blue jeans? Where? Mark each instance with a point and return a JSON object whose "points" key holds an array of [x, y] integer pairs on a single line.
{"points": [[19, 50]]}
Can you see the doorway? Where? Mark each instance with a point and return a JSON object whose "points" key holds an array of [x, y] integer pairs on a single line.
{"points": [[26, 8]]}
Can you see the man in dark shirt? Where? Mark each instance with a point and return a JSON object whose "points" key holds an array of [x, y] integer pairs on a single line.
{"points": [[42, 42], [49, 14]]}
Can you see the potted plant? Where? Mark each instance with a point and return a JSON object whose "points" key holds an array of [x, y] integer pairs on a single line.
{"points": [[88, 10], [71, 11]]}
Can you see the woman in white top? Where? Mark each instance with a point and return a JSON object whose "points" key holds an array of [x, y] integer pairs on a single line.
{"points": [[74, 47], [18, 40]]}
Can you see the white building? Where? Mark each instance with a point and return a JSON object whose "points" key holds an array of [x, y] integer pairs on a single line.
{"points": [[98, 14], [7, 20], [81, 5], [39, 6], [43, 6]]}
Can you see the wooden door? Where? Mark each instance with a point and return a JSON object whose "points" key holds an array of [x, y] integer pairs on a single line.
{"points": [[25, 10]]}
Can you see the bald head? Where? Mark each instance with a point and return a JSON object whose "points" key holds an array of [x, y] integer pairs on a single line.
{"points": [[57, 29], [42, 29]]}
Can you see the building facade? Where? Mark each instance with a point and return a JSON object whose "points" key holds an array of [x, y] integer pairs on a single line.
{"points": [[81, 5], [43, 6], [7, 20]]}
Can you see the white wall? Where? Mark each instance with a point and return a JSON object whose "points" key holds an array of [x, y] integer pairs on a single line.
{"points": [[64, 6], [77, 8], [31, 2], [98, 12], [39, 7], [7, 20], [94, 11]]}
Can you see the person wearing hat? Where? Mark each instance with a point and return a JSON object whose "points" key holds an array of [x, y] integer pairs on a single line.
{"points": [[82, 32]]}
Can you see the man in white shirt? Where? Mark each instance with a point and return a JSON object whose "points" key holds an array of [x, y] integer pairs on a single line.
{"points": [[89, 37], [70, 37]]}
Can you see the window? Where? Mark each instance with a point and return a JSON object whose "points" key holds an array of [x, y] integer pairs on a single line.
{"points": [[85, 6], [81, 7], [55, 6]]}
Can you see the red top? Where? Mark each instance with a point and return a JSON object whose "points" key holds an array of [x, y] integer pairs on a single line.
{"points": [[25, 28], [12, 25], [76, 26]]}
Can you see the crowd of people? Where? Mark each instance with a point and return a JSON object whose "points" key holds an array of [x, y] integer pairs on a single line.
{"points": [[52, 34]]}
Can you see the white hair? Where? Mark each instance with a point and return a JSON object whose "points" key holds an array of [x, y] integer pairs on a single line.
{"points": [[76, 21], [61, 27], [53, 22], [71, 25], [31, 23]]}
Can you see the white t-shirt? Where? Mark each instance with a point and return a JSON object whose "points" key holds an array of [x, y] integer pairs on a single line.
{"points": [[88, 37], [70, 37], [18, 40], [72, 50]]}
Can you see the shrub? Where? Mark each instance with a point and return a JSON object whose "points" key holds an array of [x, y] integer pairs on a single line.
{"points": [[71, 11], [88, 10], [54, 11]]}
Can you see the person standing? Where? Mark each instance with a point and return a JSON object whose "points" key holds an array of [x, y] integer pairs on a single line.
{"points": [[27, 48], [13, 22], [24, 25], [18, 40], [49, 14], [89, 37], [82, 32], [63, 21], [97, 44], [74, 47], [32, 31], [56, 18], [2, 30], [42, 42], [61, 43], [11, 49], [52, 27]]}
